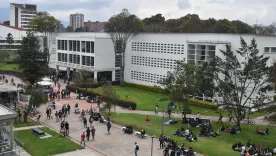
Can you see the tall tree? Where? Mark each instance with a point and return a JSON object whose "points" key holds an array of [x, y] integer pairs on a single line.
{"points": [[45, 24], [4, 56], [110, 95], [154, 23], [183, 83], [243, 28], [80, 29], [83, 78], [241, 77], [32, 60], [69, 29], [6, 23], [9, 39], [265, 30], [122, 28]]}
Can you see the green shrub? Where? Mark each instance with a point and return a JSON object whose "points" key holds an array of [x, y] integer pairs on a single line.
{"points": [[164, 99], [144, 87], [198, 103]]}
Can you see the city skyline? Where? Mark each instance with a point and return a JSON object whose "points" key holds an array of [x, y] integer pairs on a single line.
{"points": [[250, 11]]}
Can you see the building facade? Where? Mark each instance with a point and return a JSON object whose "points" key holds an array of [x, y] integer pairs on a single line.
{"points": [[17, 33], [95, 26], [76, 21], [22, 14]]}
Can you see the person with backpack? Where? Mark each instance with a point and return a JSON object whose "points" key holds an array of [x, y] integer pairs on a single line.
{"points": [[136, 148], [108, 124], [93, 130]]}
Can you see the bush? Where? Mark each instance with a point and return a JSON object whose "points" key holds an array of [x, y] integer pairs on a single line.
{"points": [[198, 103], [164, 99], [122, 103], [144, 87]]}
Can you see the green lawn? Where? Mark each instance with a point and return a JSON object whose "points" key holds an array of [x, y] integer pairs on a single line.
{"points": [[146, 101], [44, 147], [221, 145], [25, 124], [9, 67]]}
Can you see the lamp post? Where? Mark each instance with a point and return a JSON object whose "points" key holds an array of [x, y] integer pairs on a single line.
{"points": [[152, 143], [163, 122], [249, 111]]}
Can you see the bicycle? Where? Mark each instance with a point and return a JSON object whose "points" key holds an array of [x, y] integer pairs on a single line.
{"points": [[272, 124]]}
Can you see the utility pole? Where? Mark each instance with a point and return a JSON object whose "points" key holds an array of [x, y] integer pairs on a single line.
{"points": [[163, 122]]}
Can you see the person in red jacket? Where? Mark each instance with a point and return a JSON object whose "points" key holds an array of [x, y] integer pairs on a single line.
{"points": [[83, 139]]}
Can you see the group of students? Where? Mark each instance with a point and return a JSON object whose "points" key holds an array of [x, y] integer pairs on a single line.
{"points": [[233, 130], [186, 133], [171, 147], [252, 149]]}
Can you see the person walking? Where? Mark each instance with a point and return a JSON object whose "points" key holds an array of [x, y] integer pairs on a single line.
{"points": [[108, 124], [84, 122], [67, 128], [83, 139], [38, 118], [61, 126], [56, 114], [156, 109], [87, 133], [69, 108], [136, 149], [93, 130], [91, 120], [161, 140]]}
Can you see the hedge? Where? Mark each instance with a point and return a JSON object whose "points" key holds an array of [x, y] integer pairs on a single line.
{"points": [[144, 87], [199, 103], [122, 103]]}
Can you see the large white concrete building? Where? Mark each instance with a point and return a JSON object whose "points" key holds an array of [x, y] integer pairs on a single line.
{"points": [[17, 33], [22, 14], [149, 56]]}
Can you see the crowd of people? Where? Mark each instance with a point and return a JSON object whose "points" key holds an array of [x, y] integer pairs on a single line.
{"points": [[253, 149]]}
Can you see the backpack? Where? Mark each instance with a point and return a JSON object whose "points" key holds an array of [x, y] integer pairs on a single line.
{"points": [[137, 148]]}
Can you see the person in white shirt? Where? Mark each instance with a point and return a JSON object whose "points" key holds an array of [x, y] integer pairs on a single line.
{"points": [[274, 151], [197, 117], [187, 132], [242, 150]]}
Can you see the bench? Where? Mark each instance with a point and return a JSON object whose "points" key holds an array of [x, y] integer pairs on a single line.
{"points": [[38, 132]]}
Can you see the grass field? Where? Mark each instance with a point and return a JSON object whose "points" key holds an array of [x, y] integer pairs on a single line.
{"points": [[9, 67], [146, 101], [221, 145], [44, 147], [25, 124]]}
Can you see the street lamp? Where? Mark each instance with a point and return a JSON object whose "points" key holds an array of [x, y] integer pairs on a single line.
{"points": [[152, 143], [163, 122]]}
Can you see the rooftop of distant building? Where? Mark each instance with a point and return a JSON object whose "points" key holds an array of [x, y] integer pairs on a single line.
{"points": [[12, 27]]}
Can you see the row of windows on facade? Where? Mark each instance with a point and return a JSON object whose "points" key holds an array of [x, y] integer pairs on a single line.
{"points": [[78, 46], [28, 12], [158, 47], [153, 62], [201, 47], [26, 19], [147, 77], [270, 49], [14, 41], [33, 16], [75, 59], [10, 46]]}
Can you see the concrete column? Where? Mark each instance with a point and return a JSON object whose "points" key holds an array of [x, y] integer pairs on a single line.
{"points": [[11, 133], [57, 69], [113, 75], [95, 75], [68, 71]]}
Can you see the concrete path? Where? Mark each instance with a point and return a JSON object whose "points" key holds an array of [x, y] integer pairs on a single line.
{"points": [[27, 127], [84, 152]]}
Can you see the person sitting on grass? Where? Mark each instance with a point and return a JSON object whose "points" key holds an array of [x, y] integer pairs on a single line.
{"points": [[258, 130], [267, 131], [227, 129], [147, 118], [233, 131], [252, 151]]}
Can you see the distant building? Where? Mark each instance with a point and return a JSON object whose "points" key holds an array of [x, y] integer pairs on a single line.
{"points": [[76, 21], [17, 33], [22, 14], [95, 26], [61, 28]]}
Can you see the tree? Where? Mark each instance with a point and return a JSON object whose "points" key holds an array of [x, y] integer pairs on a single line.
{"points": [[265, 30], [45, 24], [243, 28], [110, 95], [80, 29], [9, 39], [4, 56], [241, 77], [69, 29], [83, 78], [154, 23], [183, 83], [122, 28], [32, 60], [6, 23]]}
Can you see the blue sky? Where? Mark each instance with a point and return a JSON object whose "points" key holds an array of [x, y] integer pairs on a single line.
{"points": [[250, 11]]}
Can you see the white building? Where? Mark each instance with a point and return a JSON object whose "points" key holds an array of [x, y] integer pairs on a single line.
{"points": [[22, 14], [17, 33], [148, 56], [76, 21]]}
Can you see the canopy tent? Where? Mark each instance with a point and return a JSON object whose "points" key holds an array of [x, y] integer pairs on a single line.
{"points": [[6, 88], [45, 83], [46, 79]]}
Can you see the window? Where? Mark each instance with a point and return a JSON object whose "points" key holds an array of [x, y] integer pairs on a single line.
{"points": [[62, 45], [273, 49], [65, 44], [70, 45], [153, 62], [59, 45], [87, 47], [78, 59], [83, 46], [59, 56], [92, 61], [78, 46], [155, 47], [83, 60], [147, 77], [70, 58], [266, 49], [74, 46], [92, 47]]}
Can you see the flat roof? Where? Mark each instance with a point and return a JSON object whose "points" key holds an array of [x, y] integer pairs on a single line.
{"points": [[6, 113], [12, 27]]}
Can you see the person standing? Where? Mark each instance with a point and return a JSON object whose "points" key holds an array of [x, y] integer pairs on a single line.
{"points": [[108, 124], [68, 107], [83, 139], [84, 122], [197, 117], [67, 128], [56, 114], [161, 140], [156, 109], [93, 130], [87, 133], [38, 118], [136, 148]]}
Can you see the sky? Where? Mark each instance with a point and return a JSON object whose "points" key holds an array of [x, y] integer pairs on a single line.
{"points": [[249, 11]]}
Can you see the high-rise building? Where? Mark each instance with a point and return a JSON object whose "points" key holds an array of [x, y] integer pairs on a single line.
{"points": [[76, 21], [95, 26], [22, 14]]}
